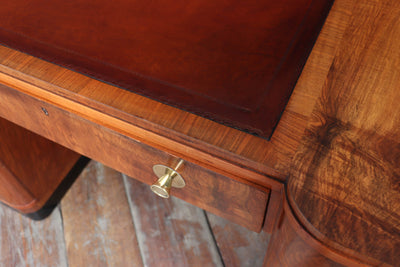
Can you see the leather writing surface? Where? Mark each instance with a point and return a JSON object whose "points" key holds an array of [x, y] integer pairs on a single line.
{"points": [[235, 62]]}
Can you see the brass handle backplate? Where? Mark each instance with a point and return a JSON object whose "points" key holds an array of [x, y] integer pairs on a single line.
{"points": [[167, 178]]}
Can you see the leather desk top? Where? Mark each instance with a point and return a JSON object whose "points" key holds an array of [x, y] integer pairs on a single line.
{"points": [[343, 178], [234, 62]]}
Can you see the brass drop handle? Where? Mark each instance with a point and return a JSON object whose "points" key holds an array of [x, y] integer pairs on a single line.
{"points": [[167, 178]]}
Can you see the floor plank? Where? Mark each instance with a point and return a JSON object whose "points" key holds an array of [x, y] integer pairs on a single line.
{"points": [[108, 219], [25, 243], [97, 220], [238, 246], [170, 231]]}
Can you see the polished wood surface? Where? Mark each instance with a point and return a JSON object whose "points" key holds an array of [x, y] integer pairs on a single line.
{"points": [[181, 133], [290, 245], [234, 62], [336, 142], [177, 131], [66, 105], [26, 183], [204, 188], [344, 184]]}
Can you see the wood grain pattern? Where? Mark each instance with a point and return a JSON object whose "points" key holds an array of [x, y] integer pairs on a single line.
{"points": [[119, 125], [178, 132], [241, 203], [274, 211], [97, 221], [24, 242], [349, 155], [292, 244], [237, 246], [344, 184], [28, 188], [234, 62], [207, 189], [12, 191], [28, 243], [170, 232], [288, 248]]}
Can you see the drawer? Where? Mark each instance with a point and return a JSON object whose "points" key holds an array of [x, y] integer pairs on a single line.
{"points": [[239, 202]]}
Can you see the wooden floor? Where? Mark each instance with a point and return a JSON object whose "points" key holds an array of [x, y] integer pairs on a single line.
{"points": [[108, 219]]}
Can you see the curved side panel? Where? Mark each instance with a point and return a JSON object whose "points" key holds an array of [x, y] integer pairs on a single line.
{"points": [[31, 167], [12, 191], [292, 245]]}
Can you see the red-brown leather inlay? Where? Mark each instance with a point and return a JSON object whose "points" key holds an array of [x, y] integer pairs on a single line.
{"points": [[235, 62]]}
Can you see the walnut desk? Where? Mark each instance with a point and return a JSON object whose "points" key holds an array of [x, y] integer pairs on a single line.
{"points": [[326, 184]]}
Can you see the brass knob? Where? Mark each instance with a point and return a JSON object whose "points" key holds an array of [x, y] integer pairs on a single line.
{"points": [[168, 178]]}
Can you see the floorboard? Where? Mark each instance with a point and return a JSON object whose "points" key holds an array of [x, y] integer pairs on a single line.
{"points": [[28, 243], [170, 231], [108, 219], [238, 246], [97, 221]]}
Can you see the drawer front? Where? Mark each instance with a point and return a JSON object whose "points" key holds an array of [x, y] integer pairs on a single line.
{"points": [[236, 201]]}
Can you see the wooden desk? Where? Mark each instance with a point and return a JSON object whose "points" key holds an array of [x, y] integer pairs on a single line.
{"points": [[326, 184]]}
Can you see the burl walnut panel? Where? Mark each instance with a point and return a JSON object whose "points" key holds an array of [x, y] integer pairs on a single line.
{"points": [[345, 180], [242, 203], [235, 62]]}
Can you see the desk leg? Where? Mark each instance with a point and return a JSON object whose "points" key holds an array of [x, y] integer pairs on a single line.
{"points": [[32, 170]]}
